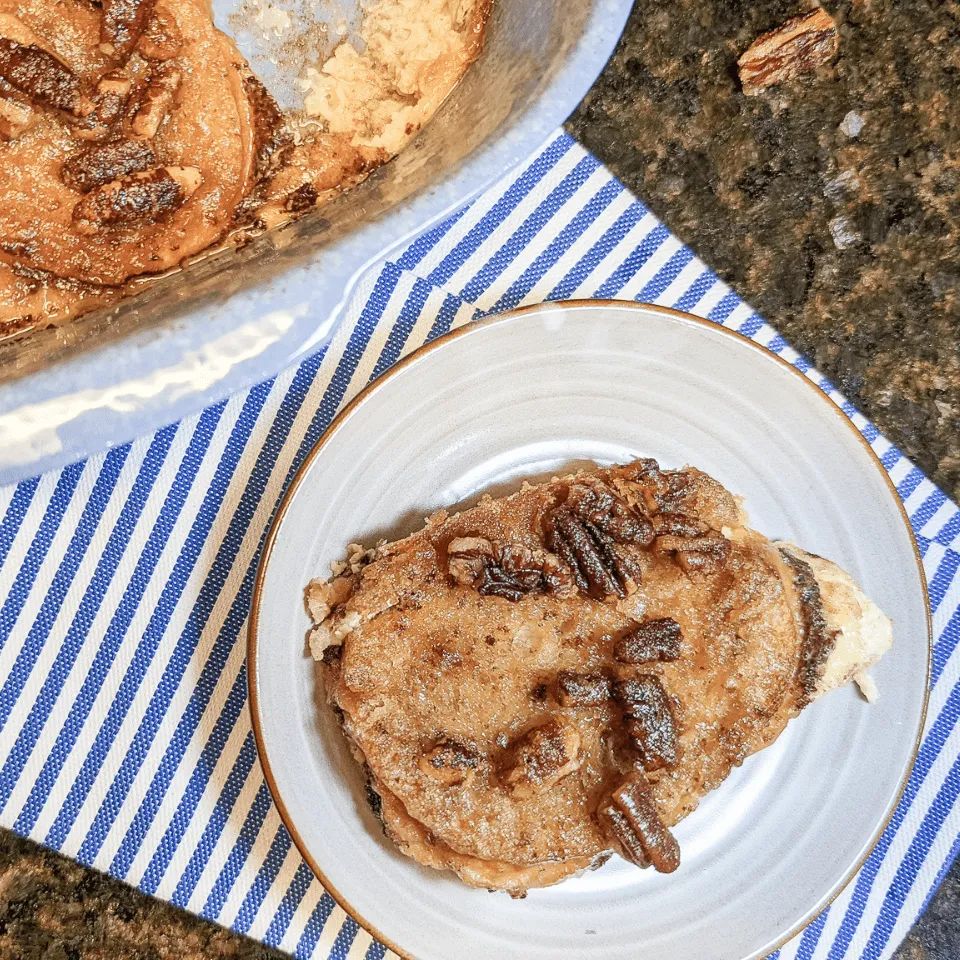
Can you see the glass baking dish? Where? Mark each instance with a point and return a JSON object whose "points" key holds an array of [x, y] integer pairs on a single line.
{"points": [[239, 316]]}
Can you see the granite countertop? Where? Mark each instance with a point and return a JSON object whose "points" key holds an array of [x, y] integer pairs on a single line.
{"points": [[831, 203]]}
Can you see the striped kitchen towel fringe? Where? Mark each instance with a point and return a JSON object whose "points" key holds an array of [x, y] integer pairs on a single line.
{"points": [[125, 583]]}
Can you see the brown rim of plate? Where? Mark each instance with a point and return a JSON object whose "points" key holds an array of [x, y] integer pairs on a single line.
{"points": [[366, 393]]}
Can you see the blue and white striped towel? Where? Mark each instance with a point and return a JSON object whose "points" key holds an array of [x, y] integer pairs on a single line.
{"points": [[126, 581]]}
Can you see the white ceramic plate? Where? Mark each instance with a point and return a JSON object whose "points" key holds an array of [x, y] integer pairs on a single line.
{"points": [[531, 393]]}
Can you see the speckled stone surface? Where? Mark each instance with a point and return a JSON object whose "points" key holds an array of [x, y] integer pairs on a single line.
{"points": [[831, 204]]}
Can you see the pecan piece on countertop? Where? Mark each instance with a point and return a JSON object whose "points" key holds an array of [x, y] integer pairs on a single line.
{"points": [[632, 822], [798, 46], [706, 554], [582, 689], [42, 78], [450, 761], [100, 164], [541, 758], [139, 198], [653, 640], [509, 570], [123, 23], [155, 101], [648, 720]]}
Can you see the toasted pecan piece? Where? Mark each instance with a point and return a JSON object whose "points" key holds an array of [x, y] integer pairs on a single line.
{"points": [[507, 570], [649, 721], [161, 38], [796, 47], [450, 761], [541, 757], [583, 689], [109, 103], [100, 164], [707, 554], [123, 23], [142, 197], [155, 102]]}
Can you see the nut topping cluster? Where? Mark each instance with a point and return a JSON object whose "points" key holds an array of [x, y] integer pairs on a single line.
{"points": [[653, 640], [510, 571], [592, 538], [125, 182], [596, 539], [631, 820]]}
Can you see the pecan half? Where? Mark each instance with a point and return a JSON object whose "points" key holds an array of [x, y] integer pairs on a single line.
{"points": [[510, 571], [582, 689], [648, 720], [678, 525], [155, 102], [706, 554], [450, 761], [15, 118], [100, 164], [631, 821], [817, 640], [41, 77], [652, 640], [467, 557], [796, 47], [141, 197], [123, 23], [588, 558], [541, 758]]}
